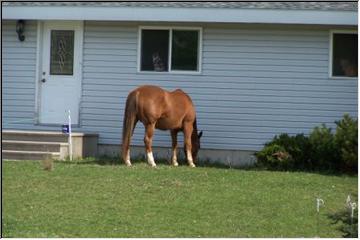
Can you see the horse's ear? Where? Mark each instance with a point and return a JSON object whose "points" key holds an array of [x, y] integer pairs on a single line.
{"points": [[200, 134]]}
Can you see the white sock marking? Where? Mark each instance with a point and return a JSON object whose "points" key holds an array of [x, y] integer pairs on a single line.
{"points": [[150, 159], [174, 158], [127, 158], [190, 159]]}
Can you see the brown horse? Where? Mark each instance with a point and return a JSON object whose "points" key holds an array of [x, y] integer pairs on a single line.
{"points": [[157, 108]]}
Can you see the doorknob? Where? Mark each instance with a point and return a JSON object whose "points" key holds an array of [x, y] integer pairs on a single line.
{"points": [[43, 80]]}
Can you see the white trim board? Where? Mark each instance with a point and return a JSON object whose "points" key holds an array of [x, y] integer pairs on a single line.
{"points": [[161, 14]]}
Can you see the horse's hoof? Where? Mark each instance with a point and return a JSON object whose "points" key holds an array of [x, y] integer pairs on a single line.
{"points": [[192, 165], [153, 165], [175, 164], [128, 163]]}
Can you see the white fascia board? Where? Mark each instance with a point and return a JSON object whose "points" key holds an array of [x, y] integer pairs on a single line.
{"points": [[206, 15]]}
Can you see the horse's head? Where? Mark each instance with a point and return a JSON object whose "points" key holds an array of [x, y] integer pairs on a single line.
{"points": [[195, 143]]}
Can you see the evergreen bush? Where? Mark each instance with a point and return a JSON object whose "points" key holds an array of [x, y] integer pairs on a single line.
{"points": [[346, 140], [321, 150]]}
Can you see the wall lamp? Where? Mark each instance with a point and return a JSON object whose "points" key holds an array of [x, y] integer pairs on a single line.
{"points": [[20, 28]]}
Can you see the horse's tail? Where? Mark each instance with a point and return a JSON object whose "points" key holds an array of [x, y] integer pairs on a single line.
{"points": [[129, 123]]}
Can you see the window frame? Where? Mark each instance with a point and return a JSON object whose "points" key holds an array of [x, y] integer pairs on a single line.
{"points": [[331, 37], [170, 28]]}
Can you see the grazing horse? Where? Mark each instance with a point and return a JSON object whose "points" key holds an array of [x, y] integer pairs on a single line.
{"points": [[160, 109]]}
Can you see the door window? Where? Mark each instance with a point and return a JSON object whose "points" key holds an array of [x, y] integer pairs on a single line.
{"points": [[62, 52]]}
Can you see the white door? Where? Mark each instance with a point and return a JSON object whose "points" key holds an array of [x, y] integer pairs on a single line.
{"points": [[60, 77]]}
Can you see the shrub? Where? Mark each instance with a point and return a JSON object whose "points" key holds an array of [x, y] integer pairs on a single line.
{"points": [[322, 150], [274, 156], [300, 149], [325, 154], [346, 139], [286, 152]]}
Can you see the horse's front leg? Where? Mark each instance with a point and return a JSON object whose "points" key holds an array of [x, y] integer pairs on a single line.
{"points": [[149, 132], [174, 147], [188, 128]]}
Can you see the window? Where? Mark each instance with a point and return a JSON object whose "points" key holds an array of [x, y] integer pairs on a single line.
{"points": [[62, 52], [344, 58], [169, 50], [184, 50], [155, 50]]}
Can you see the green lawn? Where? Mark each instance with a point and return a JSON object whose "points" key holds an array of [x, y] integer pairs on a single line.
{"points": [[92, 200]]}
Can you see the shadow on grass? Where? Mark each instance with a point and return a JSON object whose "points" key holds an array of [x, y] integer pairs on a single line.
{"points": [[312, 171], [206, 163], [348, 227], [111, 161], [108, 160]]}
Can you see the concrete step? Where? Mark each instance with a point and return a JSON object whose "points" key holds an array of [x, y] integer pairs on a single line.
{"points": [[32, 146], [34, 136], [29, 155], [17, 143]]}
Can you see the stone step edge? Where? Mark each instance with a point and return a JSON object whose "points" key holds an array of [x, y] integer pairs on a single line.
{"points": [[33, 142], [74, 134], [29, 152]]}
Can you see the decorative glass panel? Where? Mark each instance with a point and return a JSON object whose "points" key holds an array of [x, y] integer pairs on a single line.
{"points": [[62, 52], [185, 50], [154, 50], [345, 58]]}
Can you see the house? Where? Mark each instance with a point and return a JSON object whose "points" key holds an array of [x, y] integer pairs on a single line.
{"points": [[253, 69]]}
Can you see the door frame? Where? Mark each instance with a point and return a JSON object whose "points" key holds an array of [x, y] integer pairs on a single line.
{"points": [[39, 67]]}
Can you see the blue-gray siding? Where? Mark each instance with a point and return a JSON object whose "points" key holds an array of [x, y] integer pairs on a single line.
{"points": [[18, 75], [255, 82]]}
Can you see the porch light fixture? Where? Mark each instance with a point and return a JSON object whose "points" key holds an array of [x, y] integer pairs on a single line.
{"points": [[20, 27]]}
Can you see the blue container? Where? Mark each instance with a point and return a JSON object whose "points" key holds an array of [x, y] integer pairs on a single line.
{"points": [[65, 128]]}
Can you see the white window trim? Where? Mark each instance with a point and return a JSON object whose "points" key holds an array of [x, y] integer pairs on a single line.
{"points": [[331, 37], [170, 28]]}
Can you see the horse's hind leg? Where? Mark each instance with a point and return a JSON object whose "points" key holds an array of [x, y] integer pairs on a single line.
{"points": [[149, 132], [127, 157], [188, 128], [174, 147]]}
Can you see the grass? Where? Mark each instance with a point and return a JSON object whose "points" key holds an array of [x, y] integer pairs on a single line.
{"points": [[93, 200]]}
